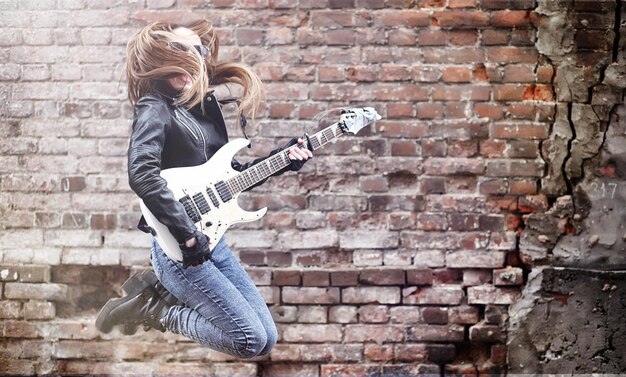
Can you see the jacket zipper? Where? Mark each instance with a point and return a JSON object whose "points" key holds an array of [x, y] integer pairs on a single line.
{"points": [[197, 127]]}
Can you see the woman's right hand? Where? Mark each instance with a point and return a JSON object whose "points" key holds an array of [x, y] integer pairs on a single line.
{"points": [[196, 250]]}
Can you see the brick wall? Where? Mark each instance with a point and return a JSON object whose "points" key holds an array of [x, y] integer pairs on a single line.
{"points": [[392, 252]]}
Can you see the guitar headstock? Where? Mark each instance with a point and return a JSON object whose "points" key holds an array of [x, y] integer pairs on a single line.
{"points": [[354, 119]]}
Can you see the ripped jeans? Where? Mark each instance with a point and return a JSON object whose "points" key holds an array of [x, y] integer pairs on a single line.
{"points": [[223, 308]]}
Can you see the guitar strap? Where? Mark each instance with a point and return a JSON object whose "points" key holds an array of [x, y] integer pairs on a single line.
{"points": [[243, 122]]}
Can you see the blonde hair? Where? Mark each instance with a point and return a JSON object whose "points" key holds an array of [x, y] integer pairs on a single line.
{"points": [[150, 57]]}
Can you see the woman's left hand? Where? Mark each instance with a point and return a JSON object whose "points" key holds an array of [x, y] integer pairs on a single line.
{"points": [[296, 153]]}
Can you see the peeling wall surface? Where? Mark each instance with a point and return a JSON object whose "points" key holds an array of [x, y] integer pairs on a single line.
{"points": [[574, 323], [570, 317]]}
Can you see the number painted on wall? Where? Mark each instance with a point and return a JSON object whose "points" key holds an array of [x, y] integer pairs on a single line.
{"points": [[607, 190]]}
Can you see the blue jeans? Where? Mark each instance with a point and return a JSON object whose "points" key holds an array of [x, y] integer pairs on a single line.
{"points": [[223, 308]]}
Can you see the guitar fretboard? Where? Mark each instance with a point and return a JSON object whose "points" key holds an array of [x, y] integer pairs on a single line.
{"points": [[275, 163]]}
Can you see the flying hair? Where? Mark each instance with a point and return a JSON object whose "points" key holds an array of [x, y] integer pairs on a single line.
{"points": [[151, 59]]}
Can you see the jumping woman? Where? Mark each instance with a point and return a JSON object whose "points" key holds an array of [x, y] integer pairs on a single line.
{"points": [[176, 83]]}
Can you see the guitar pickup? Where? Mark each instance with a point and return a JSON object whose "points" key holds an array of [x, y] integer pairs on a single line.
{"points": [[201, 203], [212, 196], [223, 191], [190, 208]]}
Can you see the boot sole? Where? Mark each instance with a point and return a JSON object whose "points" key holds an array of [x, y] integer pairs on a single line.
{"points": [[133, 286]]}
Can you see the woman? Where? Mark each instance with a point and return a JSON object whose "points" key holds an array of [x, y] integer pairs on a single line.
{"points": [[175, 82]]}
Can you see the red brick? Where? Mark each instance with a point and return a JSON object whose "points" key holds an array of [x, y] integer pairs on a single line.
{"points": [[404, 17], [20, 329], [487, 110], [281, 110], [431, 3], [400, 110], [507, 4], [249, 36], [410, 352], [419, 277], [523, 187], [10, 309], [432, 221], [403, 37], [382, 277], [312, 333], [464, 149], [460, 18], [394, 73], [428, 37], [286, 277], [509, 92], [365, 295], [454, 4], [545, 74], [435, 315], [341, 4], [519, 73], [404, 148], [492, 148], [456, 74], [376, 352], [543, 93], [342, 314], [373, 184], [398, 221], [486, 333], [495, 37], [373, 314], [446, 166], [438, 295], [310, 295], [344, 278], [436, 333], [428, 110], [433, 148], [510, 18], [517, 131], [73, 184], [511, 55], [103, 221], [374, 333], [463, 315], [498, 354], [527, 111], [487, 294], [523, 148], [361, 74], [523, 37], [331, 74], [332, 18], [339, 37], [462, 37], [306, 36]]}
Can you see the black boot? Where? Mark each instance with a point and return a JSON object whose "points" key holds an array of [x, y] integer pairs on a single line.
{"points": [[147, 301]]}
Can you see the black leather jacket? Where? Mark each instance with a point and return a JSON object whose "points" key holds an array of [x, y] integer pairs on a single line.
{"points": [[165, 136]]}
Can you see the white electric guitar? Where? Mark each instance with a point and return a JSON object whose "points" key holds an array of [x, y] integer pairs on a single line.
{"points": [[209, 191]]}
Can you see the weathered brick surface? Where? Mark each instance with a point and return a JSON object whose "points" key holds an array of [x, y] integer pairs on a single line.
{"points": [[392, 252]]}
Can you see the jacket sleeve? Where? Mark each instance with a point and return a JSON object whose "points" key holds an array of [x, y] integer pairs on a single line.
{"points": [[144, 167]]}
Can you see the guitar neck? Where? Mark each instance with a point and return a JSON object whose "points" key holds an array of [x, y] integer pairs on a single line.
{"points": [[279, 161]]}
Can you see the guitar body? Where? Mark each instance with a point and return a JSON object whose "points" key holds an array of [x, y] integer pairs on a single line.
{"points": [[196, 179]]}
